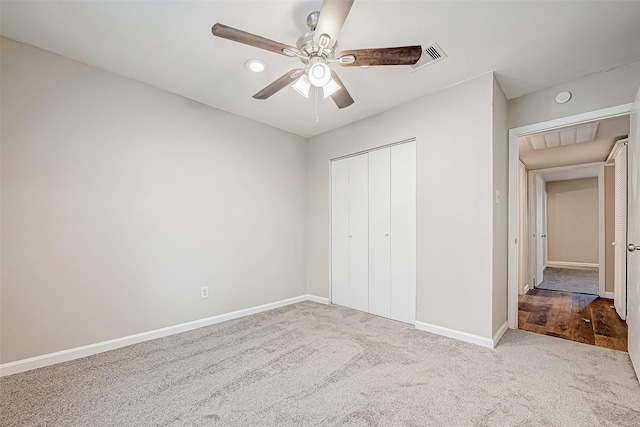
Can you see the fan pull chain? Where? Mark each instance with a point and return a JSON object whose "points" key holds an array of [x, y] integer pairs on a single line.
{"points": [[315, 93]]}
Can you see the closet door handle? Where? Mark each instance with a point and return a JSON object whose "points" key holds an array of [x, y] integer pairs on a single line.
{"points": [[632, 247]]}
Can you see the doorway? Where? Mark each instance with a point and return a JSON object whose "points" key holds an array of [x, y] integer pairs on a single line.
{"points": [[568, 219], [564, 159]]}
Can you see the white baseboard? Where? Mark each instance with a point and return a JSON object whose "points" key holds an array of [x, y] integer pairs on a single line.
{"points": [[458, 335], [605, 294], [499, 333], [569, 264], [526, 289], [314, 298], [88, 350]]}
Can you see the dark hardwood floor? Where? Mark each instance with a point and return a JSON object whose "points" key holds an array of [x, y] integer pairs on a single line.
{"points": [[563, 314]]}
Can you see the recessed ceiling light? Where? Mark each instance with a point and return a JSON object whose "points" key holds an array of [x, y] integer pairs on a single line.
{"points": [[255, 65]]}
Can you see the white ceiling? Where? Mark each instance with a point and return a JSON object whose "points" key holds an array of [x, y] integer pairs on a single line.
{"points": [[602, 135], [531, 45]]}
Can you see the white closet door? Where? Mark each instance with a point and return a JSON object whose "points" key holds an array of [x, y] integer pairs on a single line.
{"points": [[403, 232], [340, 232], [359, 232], [379, 228], [620, 219]]}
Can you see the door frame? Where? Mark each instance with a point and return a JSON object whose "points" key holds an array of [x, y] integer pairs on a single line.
{"points": [[514, 134], [535, 179]]}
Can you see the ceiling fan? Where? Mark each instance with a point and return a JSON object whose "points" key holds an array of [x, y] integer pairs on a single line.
{"points": [[316, 49]]}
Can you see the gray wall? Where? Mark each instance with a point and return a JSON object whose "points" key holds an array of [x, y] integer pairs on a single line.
{"points": [[454, 130], [572, 220], [119, 201], [594, 92]]}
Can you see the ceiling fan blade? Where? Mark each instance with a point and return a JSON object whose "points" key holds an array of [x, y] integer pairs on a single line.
{"points": [[406, 55], [279, 84], [229, 33], [332, 16], [342, 98]]}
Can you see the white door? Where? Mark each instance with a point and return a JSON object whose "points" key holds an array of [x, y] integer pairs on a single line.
{"points": [[340, 232], [633, 236], [545, 240], [403, 232], [379, 227], [373, 232], [359, 232], [620, 227], [540, 232]]}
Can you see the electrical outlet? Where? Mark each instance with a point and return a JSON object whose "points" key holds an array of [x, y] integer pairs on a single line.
{"points": [[204, 292]]}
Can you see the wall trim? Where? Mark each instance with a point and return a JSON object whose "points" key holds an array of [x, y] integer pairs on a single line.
{"points": [[526, 288], [458, 335], [606, 294], [570, 264], [315, 298], [499, 333], [100, 347]]}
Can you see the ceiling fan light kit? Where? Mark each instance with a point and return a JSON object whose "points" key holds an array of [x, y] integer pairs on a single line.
{"points": [[330, 88], [319, 72], [302, 86], [316, 49]]}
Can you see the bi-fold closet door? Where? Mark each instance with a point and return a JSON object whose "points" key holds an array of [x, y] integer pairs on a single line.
{"points": [[373, 233]]}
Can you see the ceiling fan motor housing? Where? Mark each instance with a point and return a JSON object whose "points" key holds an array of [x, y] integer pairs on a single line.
{"points": [[307, 44]]}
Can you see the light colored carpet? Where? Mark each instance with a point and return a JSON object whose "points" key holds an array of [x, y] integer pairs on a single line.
{"points": [[570, 280], [315, 365]]}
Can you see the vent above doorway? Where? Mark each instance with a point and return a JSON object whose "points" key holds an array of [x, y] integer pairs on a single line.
{"points": [[556, 138], [430, 54]]}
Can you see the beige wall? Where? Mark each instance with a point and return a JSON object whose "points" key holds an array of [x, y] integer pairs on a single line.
{"points": [[572, 220], [454, 130], [593, 92], [119, 201], [609, 225]]}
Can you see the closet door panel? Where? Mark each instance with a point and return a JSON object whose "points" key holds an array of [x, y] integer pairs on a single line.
{"points": [[340, 232], [403, 232], [359, 233], [379, 227]]}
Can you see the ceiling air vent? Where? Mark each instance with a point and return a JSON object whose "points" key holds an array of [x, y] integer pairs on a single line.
{"points": [[430, 54]]}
